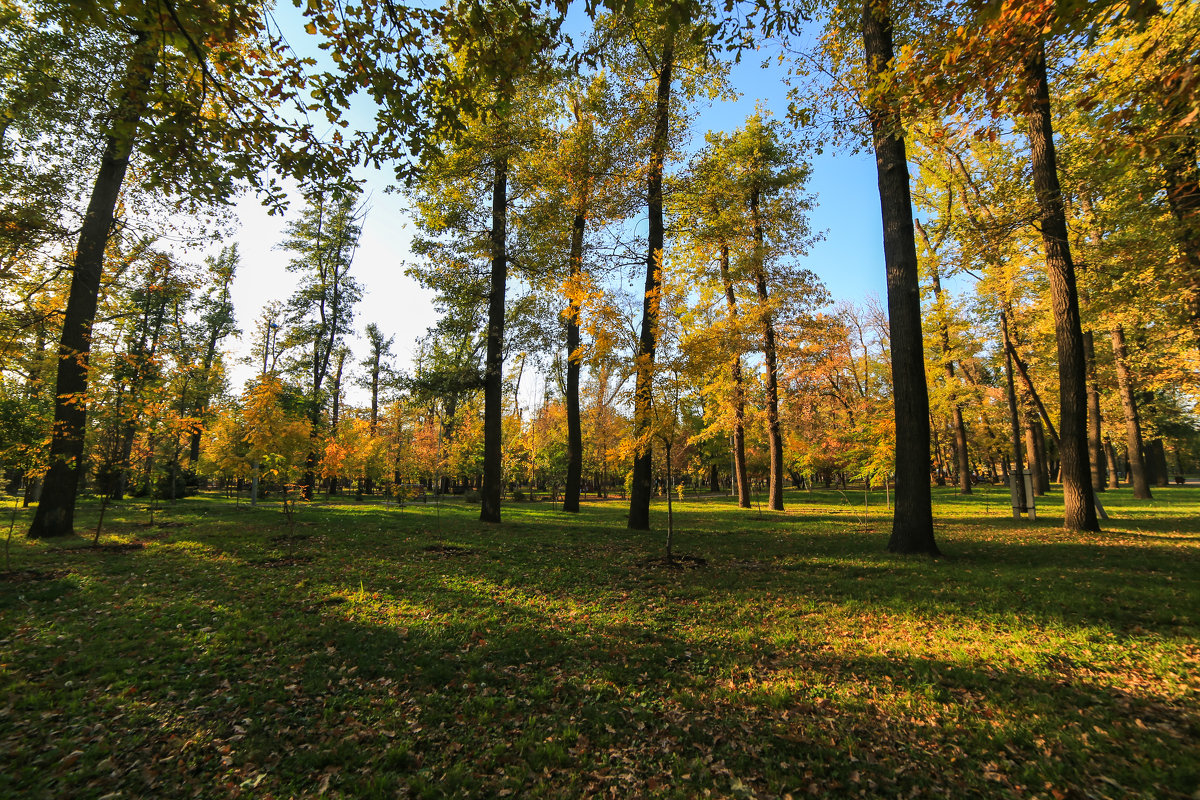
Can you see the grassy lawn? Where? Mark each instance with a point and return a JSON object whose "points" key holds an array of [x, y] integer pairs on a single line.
{"points": [[415, 652]]}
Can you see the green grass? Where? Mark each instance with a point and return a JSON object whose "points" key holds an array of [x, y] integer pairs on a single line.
{"points": [[545, 658]]}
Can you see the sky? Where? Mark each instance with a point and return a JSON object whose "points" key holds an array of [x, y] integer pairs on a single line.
{"points": [[849, 259]]}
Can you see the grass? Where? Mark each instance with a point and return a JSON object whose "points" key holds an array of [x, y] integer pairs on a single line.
{"points": [[406, 652]]}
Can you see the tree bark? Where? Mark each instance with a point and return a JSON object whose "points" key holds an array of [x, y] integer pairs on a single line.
{"points": [[1183, 196], [55, 515], [639, 498], [574, 362], [493, 375], [1133, 426], [912, 524], [1110, 458], [774, 436], [740, 477], [1079, 503], [1095, 440], [1020, 502]]}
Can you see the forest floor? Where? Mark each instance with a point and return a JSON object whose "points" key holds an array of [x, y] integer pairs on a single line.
{"points": [[415, 652]]}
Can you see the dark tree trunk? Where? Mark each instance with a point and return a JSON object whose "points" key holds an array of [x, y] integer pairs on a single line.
{"points": [[639, 499], [714, 478], [1045, 468], [1183, 196], [1156, 455], [1110, 458], [912, 524], [1035, 458], [740, 478], [1133, 425], [574, 357], [1020, 502], [493, 375], [1079, 503], [55, 515], [1095, 440], [774, 436]]}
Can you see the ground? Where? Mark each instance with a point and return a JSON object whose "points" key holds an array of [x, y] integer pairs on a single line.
{"points": [[384, 652]]}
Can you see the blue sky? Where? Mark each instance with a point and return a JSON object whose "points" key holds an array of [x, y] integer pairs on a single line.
{"points": [[849, 260]]}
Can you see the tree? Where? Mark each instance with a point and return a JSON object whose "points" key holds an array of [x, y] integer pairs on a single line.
{"points": [[912, 525], [192, 129], [321, 310], [377, 366]]}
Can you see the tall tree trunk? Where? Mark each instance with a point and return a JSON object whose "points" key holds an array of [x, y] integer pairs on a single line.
{"points": [[1133, 425], [1044, 466], [1156, 455], [1079, 503], [740, 477], [774, 436], [55, 515], [912, 524], [574, 360], [1110, 458], [1020, 502], [639, 498], [1095, 440], [494, 365], [1183, 196], [1036, 467]]}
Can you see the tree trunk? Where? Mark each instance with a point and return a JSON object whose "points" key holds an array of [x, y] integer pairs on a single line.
{"points": [[574, 359], [1020, 502], [774, 436], [1156, 455], [1095, 440], [912, 524], [1035, 459], [1079, 503], [639, 498], [1114, 480], [55, 515], [1045, 468], [494, 366], [740, 477], [1183, 196], [1133, 425]]}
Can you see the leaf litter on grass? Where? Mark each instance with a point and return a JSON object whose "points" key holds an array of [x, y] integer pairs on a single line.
{"points": [[546, 668]]}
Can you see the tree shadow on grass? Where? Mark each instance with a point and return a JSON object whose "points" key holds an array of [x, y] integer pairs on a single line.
{"points": [[463, 685]]}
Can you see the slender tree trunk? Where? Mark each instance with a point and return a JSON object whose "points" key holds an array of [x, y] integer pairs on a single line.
{"points": [[1020, 502], [574, 361], [740, 477], [1110, 458], [55, 515], [1035, 458], [1133, 425], [1095, 440], [1079, 502], [912, 524], [1045, 469], [774, 436], [494, 366], [639, 499]]}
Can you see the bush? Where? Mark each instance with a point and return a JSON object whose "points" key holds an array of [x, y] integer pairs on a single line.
{"points": [[471, 496], [518, 495]]}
